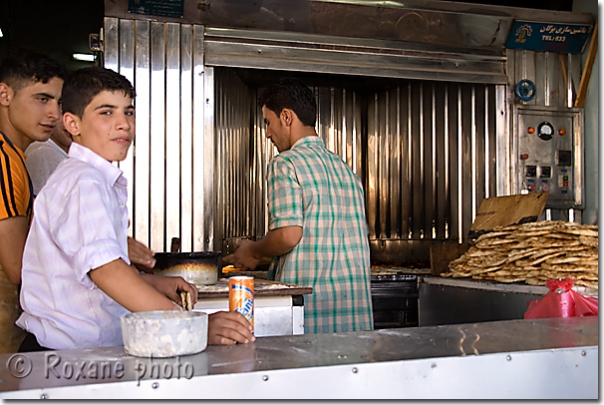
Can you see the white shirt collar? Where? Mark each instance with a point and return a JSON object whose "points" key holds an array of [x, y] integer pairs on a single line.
{"points": [[111, 172]]}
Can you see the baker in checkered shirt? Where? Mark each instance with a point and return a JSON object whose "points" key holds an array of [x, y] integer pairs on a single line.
{"points": [[318, 235]]}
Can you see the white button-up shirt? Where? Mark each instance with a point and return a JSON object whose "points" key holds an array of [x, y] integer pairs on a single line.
{"points": [[80, 223]]}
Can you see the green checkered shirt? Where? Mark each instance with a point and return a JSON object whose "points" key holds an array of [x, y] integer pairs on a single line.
{"points": [[311, 187]]}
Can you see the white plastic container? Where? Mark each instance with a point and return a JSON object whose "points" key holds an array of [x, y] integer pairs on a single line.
{"points": [[165, 333]]}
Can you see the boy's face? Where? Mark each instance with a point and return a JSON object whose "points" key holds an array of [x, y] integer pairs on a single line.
{"points": [[33, 110], [107, 126]]}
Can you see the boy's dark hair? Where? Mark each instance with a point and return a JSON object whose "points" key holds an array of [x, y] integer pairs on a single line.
{"points": [[85, 84], [23, 66], [292, 94]]}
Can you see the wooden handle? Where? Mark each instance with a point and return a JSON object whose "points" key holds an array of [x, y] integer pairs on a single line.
{"points": [[589, 63]]}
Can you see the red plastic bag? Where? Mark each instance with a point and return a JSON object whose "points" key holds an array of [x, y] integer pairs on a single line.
{"points": [[561, 302]]}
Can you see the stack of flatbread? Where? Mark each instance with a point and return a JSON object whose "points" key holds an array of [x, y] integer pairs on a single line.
{"points": [[532, 253]]}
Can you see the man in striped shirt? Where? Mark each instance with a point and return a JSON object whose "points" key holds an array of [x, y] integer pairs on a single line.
{"points": [[30, 89], [317, 227]]}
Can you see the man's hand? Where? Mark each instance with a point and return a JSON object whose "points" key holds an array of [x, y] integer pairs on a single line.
{"points": [[275, 243], [171, 287], [140, 255], [244, 255], [229, 328], [13, 233]]}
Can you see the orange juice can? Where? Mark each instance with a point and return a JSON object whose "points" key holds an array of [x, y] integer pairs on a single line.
{"points": [[241, 296]]}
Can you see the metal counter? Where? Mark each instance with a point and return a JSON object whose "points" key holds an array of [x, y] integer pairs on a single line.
{"points": [[545, 358], [446, 301]]}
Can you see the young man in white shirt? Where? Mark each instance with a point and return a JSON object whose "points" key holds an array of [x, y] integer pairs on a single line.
{"points": [[77, 278], [44, 157]]}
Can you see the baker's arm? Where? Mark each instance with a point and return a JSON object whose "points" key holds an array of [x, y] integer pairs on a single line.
{"points": [[276, 242], [123, 283], [13, 233]]}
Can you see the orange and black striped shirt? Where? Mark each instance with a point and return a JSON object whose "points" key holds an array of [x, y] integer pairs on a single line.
{"points": [[16, 188]]}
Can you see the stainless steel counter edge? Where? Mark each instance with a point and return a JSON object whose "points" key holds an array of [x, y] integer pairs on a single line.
{"points": [[544, 358], [502, 287]]}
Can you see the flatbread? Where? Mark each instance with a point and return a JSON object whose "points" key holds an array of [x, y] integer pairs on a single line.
{"points": [[569, 267], [536, 281], [580, 232], [518, 254], [482, 270], [185, 298], [509, 279], [573, 260], [586, 240], [487, 261], [533, 253], [533, 262], [478, 252], [561, 236], [586, 283], [491, 243]]}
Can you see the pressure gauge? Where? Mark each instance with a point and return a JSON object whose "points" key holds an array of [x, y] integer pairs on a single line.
{"points": [[545, 131]]}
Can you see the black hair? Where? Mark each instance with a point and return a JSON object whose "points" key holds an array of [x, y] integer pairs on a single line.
{"points": [[294, 95], [23, 66], [85, 84]]}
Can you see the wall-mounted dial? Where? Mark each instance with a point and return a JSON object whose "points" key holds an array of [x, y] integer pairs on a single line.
{"points": [[545, 131]]}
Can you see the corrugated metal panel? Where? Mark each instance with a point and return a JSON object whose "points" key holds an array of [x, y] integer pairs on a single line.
{"points": [[235, 156], [549, 72], [424, 150], [164, 61], [431, 159]]}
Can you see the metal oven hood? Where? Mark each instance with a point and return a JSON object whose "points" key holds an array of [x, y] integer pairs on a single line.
{"points": [[441, 23], [421, 40]]}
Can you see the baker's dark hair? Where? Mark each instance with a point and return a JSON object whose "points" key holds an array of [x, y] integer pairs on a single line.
{"points": [[85, 84], [24, 66], [292, 94]]}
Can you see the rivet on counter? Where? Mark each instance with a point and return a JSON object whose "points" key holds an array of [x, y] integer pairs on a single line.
{"points": [[44, 396], [155, 385], [355, 370], [264, 378], [583, 353], [508, 358]]}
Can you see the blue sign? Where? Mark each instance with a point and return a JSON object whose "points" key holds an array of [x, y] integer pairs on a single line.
{"points": [[161, 8], [533, 36]]}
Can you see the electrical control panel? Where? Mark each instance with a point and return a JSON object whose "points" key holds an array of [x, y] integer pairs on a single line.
{"points": [[549, 147]]}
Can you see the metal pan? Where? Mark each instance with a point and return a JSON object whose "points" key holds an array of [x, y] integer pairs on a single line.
{"points": [[199, 268]]}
